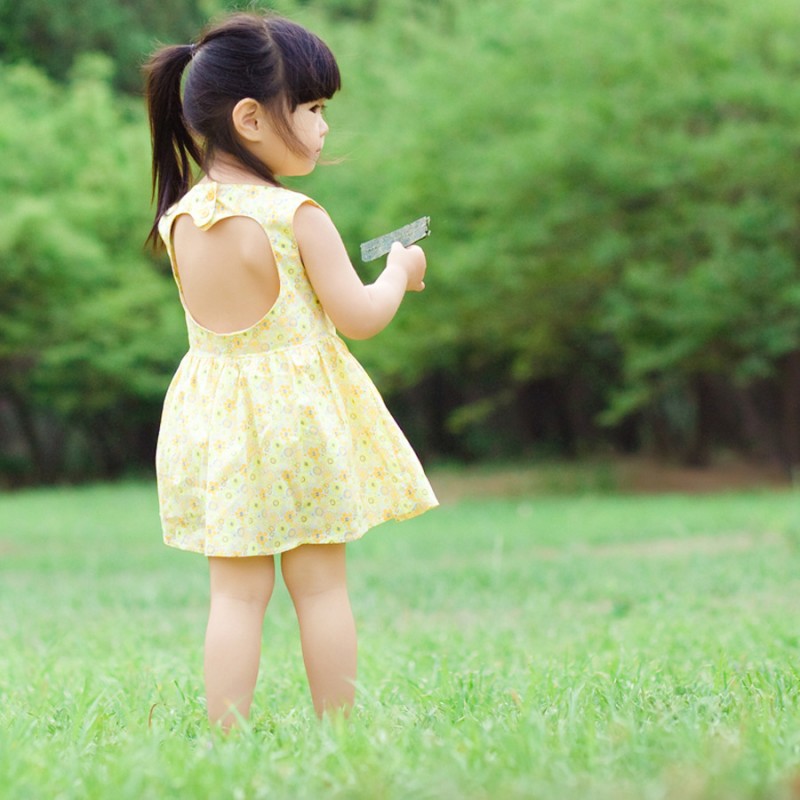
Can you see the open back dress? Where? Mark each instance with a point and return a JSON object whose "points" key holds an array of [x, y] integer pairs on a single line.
{"points": [[274, 436]]}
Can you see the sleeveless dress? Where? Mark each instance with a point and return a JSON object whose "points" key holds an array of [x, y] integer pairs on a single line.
{"points": [[274, 436]]}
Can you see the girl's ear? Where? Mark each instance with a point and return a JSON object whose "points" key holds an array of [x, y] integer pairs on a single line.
{"points": [[248, 119]]}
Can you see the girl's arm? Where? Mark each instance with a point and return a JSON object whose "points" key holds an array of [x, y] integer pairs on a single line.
{"points": [[357, 311]]}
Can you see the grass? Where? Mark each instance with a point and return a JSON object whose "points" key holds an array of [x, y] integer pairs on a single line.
{"points": [[584, 646]]}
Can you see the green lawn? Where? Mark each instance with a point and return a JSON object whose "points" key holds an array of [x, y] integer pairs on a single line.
{"points": [[595, 646]]}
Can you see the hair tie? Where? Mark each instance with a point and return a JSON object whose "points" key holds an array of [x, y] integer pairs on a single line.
{"points": [[192, 50]]}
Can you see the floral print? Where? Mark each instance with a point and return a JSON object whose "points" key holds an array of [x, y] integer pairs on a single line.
{"points": [[274, 436]]}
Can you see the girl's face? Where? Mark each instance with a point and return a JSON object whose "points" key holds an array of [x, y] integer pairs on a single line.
{"points": [[310, 128]]}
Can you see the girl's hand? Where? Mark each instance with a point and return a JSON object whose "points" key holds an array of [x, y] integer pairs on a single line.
{"points": [[412, 261]]}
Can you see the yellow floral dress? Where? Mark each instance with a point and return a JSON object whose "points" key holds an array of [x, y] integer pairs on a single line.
{"points": [[274, 436]]}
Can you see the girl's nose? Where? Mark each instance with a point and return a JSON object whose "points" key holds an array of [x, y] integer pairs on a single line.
{"points": [[325, 127]]}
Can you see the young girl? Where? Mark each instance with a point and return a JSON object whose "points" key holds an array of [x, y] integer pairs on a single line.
{"points": [[273, 439]]}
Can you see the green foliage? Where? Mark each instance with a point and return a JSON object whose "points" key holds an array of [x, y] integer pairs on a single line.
{"points": [[568, 163], [54, 35], [550, 647], [613, 188], [88, 323]]}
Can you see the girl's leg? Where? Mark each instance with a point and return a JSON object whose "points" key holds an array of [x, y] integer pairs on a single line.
{"points": [[316, 578], [240, 591]]}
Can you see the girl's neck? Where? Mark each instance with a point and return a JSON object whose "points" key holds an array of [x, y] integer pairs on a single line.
{"points": [[226, 169]]}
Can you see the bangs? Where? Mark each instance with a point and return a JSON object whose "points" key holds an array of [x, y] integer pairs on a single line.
{"points": [[311, 71], [320, 79]]}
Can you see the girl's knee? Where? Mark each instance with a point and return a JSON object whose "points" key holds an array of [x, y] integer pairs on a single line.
{"points": [[249, 580], [314, 568]]}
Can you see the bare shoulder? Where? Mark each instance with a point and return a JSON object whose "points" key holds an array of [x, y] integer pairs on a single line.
{"points": [[311, 222]]}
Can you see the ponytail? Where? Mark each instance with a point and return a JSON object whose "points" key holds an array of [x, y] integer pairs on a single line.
{"points": [[173, 145]]}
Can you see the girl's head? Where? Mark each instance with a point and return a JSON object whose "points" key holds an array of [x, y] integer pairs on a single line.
{"points": [[244, 74]]}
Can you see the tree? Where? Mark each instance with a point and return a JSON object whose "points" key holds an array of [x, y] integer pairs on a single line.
{"points": [[614, 194], [88, 330], [54, 35]]}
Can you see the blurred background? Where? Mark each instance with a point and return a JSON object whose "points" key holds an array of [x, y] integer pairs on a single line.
{"points": [[614, 188]]}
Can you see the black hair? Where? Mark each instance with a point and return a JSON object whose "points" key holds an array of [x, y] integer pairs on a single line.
{"points": [[270, 59]]}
